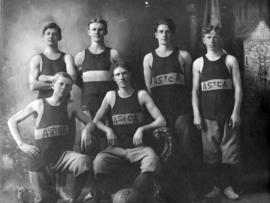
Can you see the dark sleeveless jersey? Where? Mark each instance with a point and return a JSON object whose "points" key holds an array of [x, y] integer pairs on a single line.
{"points": [[50, 67], [95, 62], [52, 135], [217, 93], [127, 116], [168, 85]]}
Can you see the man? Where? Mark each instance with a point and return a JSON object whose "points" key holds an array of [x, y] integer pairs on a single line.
{"points": [[95, 64], [43, 68], [51, 152], [128, 129], [216, 100], [50, 61], [167, 74]]}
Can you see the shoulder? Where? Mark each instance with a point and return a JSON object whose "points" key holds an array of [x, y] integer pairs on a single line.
{"points": [[114, 53], [184, 54], [36, 58], [230, 59], [79, 58], [198, 63], [68, 57], [143, 94], [36, 104], [148, 59]]}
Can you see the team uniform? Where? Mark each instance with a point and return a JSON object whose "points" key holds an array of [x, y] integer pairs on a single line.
{"points": [[217, 102], [50, 67], [93, 92], [170, 93], [127, 115], [53, 138], [220, 142]]}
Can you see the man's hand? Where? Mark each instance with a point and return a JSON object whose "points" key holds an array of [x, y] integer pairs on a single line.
{"points": [[111, 137], [138, 137], [30, 150], [197, 121], [86, 140], [235, 121]]}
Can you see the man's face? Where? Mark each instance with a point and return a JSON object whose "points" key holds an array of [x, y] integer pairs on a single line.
{"points": [[163, 34], [121, 76], [62, 86], [51, 36], [212, 40], [97, 32]]}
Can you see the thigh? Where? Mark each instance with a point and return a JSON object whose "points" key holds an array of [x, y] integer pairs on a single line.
{"points": [[211, 141], [230, 145], [109, 160], [73, 162]]}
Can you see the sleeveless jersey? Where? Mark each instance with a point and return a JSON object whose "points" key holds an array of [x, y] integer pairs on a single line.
{"points": [[127, 116], [52, 135], [95, 62], [50, 67], [168, 85], [217, 94]]}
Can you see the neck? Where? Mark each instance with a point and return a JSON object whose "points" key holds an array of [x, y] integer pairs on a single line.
{"points": [[51, 49], [165, 47], [215, 53], [125, 91], [55, 101], [97, 46]]}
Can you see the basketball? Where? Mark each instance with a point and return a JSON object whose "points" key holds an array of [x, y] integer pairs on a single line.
{"points": [[127, 195]]}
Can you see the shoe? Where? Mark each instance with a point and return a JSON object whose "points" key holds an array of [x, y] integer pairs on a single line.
{"points": [[215, 192], [230, 194]]}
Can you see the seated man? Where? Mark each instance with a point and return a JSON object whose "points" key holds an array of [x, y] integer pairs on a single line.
{"points": [[51, 152], [125, 135]]}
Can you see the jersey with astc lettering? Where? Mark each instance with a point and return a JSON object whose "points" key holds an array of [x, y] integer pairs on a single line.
{"points": [[52, 135], [216, 89], [127, 116], [95, 62], [50, 67], [168, 84]]}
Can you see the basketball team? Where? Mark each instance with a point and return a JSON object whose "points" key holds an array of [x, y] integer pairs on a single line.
{"points": [[180, 94]]}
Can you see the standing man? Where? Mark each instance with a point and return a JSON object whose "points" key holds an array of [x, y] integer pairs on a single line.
{"points": [[216, 100], [94, 64], [51, 152], [167, 74], [127, 108], [43, 68], [50, 61]]}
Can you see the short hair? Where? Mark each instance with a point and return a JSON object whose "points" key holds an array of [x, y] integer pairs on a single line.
{"points": [[52, 26], [61, 74], [166, 21], [101, 21], [208, 28], [122, 64]]}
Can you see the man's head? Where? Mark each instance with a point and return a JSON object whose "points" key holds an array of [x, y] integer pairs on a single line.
{"points": [[122, 74], [164, 30], [62, 84], [211, 36], [97, 29], [52, 33]]}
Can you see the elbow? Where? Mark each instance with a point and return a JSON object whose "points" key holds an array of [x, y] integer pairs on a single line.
{"points": [[163, 123]]}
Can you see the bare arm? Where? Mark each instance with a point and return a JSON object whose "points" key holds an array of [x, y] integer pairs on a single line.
{"points": [[115, 56], [13, 124], [70, 66], [232, 63], [37, 83], [108, 100], [186, 61], [159, 121], [197, 65], [147, 65]]}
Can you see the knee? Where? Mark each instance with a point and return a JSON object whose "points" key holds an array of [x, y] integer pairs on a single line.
{"points": [[83, 165], [150, 163], [99, 164]]}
